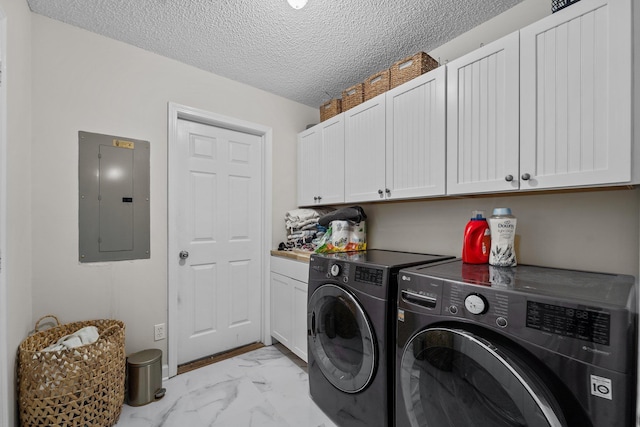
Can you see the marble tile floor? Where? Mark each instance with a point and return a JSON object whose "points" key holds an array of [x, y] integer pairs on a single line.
{"points": [[268, 387]]}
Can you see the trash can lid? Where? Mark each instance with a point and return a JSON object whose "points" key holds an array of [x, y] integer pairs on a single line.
{"points": [[144, 357]]}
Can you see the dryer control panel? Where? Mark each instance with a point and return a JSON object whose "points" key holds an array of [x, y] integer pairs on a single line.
{"points": [[457, 300], [555, 316]]}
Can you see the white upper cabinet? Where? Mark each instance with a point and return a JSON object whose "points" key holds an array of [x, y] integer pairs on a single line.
{"points": [[551, 106], [321, 163], [482, 119], [309, 166], [415, 143], [364, 128], [576, 97], [395, 142]]}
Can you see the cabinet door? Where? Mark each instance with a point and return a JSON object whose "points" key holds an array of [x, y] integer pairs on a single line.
{"points": [[332, 170], [309, 166], [364, 128], [576, 96], [415, 145], [281, 308], [482, 119], [299, 335]]}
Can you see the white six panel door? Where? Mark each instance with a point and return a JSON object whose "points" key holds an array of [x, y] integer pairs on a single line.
{"points": [[219, 293]]}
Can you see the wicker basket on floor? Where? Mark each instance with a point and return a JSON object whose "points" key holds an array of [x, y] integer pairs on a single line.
{"points": [[83, 386]]}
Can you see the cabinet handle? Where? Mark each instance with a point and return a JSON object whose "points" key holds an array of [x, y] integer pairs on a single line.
{"points": [[315, 197], [380, 193], [319, 198], [508, 178], [526, 177], [386, 190]]}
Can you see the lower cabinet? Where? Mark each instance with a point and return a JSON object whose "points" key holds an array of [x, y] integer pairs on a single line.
{"points": [[289, 304]]}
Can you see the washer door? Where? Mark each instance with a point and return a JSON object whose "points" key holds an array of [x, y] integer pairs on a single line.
{"points": [[453, 378], [341, 338]]}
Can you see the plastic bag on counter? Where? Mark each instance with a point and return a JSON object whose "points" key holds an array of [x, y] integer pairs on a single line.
{"points": [[344, 236]]}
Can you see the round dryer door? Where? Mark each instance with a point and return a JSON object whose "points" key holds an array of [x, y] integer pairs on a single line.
{"points": [[341, 339], [453, 378]]}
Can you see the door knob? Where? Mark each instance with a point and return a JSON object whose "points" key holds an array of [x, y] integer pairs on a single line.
{"points": [[508, 178], [184, 254], [526, 177]]}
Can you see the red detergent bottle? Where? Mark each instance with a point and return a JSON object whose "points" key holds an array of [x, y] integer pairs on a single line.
{"points": [[477, 240]]}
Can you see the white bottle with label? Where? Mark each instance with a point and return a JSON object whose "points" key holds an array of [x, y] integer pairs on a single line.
{"points": [[503, 235]]}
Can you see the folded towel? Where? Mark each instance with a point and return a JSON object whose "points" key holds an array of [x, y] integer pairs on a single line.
{"points": [[84, 336], [302, 233], [297, 218]]}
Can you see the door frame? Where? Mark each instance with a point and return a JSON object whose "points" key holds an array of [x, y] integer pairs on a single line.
{"points": [[5, 371], [182, 112]]}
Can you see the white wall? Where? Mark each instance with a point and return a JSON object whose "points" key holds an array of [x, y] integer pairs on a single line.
{"points": [[596, 231], [519, 16], [16, 261], [82, 81]]}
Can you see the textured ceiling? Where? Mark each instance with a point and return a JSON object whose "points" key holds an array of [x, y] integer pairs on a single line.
{"points": [[308, 55]]}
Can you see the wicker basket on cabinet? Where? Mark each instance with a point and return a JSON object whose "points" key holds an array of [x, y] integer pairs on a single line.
{"points": [[331, 108], [376, 84], [411, 67], [352, 96]]}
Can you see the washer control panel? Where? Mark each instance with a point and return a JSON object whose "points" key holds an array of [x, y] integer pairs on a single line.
{"points": [[588, 325], [457, 300], [372, 280], [488, 306], [561, 320]]}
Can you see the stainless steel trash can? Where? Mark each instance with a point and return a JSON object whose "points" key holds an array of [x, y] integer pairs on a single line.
{"points": [[144, 376]]}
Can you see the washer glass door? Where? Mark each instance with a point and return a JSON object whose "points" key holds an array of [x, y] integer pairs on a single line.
{"points": [[453, 378], [341, 338]]}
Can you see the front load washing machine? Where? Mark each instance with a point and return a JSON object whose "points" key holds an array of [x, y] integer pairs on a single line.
{"points": [[350, 323], [479, 346]]}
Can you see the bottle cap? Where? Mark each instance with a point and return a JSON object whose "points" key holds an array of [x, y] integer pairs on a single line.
{"points": [[502, 211], [477, 214]]}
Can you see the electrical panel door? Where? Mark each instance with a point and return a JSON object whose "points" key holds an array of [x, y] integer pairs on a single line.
{"points": [[113, 175]]}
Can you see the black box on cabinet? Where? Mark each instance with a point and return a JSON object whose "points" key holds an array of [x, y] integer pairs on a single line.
{"points": [[556, 5]]}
